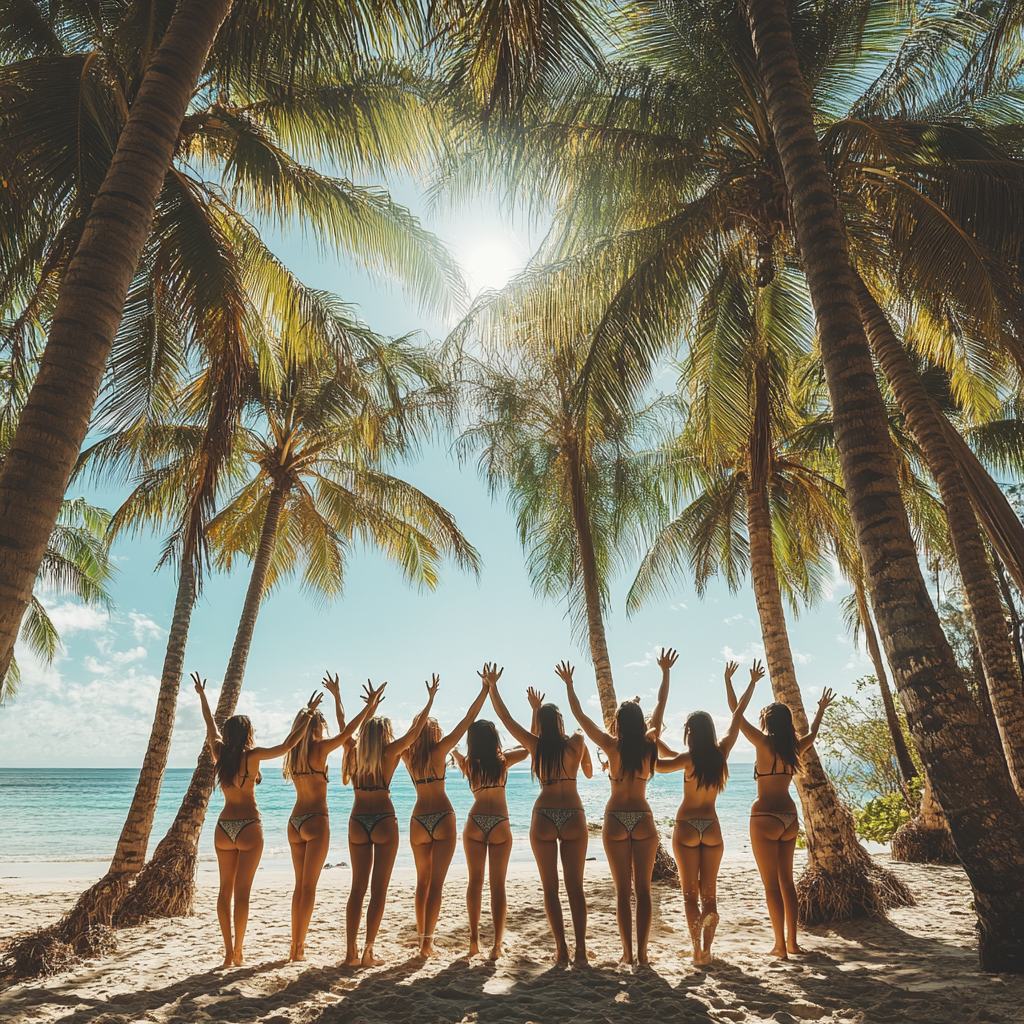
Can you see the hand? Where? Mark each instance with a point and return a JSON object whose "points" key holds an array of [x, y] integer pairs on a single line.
{"points": [[490, 674], [564, 672], [432, 686], [200, 685], [535, 697], [602, 762], [668, 658], [372, 696], [332, 686], [730, 670], [827, 699], [756, 671], [314, 701]]}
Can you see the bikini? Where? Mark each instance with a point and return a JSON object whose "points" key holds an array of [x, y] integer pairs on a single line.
{"points": [[785, 817], [298, 820], [628, 819], [371, 821], [434, 818], [233, 826], [487, 822], [701, 825], [558, 816]]}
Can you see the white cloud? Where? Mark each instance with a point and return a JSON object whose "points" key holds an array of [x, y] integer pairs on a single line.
{"points": [[681, 607], [800, 658], [650, 658], [144, 628], [126, 657], [71, 618], [733, 618]]}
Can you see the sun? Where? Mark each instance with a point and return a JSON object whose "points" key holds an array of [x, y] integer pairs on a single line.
{"points": [[490, 262]]}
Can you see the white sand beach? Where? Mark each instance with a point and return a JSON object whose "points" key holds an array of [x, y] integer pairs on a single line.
{"points": [[919, 965]]}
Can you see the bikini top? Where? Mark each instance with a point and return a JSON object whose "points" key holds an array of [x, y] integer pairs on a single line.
{"points": [[370, 789], [433, 778], [256, 781], [313, 771], [761, 775], [563, 778]]}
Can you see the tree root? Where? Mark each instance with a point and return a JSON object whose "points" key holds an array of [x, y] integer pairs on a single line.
{"points": [[915, 843], [165, 887], [857, 891], [665, 869]]}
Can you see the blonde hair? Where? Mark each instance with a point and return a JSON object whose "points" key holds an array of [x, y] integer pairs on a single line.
{"points": [[296, 761], [419, 755], [365, 761]]}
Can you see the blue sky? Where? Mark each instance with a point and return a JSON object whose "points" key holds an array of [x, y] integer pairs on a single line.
{"points": [[93, 707]]}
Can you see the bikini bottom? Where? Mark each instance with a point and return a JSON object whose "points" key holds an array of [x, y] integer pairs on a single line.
{"points": [[297, 820], [432, 820], [700, 824], [786, 817], [629, 819], [233, 826], [558, 816], [486, 822], [370, 821]]}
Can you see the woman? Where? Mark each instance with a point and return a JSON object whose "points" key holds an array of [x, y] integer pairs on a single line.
{"points": [[309, 830], [487, 837], [370, 762], [630, 834], [697, 840], [238, 835], [433, 831], [773, 817], [559, 824]]}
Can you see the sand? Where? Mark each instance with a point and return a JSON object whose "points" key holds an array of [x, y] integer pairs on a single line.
{"points": [[919, 965]]}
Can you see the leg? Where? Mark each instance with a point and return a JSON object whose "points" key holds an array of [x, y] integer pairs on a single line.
{"points": [[686, 846], [385, 849], [360, 851], [227, 865], [250, 850], [445, 837], [476, 864], [710, 861], [787, 847], [316, 833], [620, 862], [644, 850], [498, 857], [423, 855], [764, 842], [574, 859], [297, 848], [544, 841]]}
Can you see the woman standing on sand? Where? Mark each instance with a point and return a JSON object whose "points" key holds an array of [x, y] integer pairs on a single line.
{"points": [[697, 840], [487, 837], [630, 834], [773, 817], [559, 824], [238, 835], [370, 762], [309, 829], [433, 831]]}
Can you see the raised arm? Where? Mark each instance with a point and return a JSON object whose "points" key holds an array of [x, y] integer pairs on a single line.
{"points": [[604, 740], [536, 699], [729, 739], [331, 685], [827, 698], [397, 747], [586, 764], [448, 742], [514, 755], [213, 736], [751, 732], [269, 753], [664, 750], [372, 698], [668, 658], [527, 739]]}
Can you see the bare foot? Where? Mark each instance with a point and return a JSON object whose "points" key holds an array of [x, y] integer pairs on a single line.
{"points": [[227, 961], [474, 947], [779, 952], [237, 960], [369, 960], [795, 949], [708, 927], [582, 957], [562, 956], [497, 952], [626, 958], [642, 959], [352, 960]]}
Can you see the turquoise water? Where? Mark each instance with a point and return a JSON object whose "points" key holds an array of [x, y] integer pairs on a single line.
{"points": [[57, 814]]}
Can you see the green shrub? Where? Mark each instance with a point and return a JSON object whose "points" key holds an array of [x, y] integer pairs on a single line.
{"points": [[878, 819]]}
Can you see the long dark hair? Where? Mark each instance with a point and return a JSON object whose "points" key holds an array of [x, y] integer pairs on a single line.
{"points": [[485, 763], [548, 762], [636, 751], [709, 766], [235, 736], [777, 723], [421, 753]]}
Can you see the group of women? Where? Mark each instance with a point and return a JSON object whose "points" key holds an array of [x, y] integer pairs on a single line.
{"points": [[634, 750]]}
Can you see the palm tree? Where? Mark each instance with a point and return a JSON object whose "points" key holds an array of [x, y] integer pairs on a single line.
{"points": [[84, 215], [963, 761], [750, 461], [316, 487]]}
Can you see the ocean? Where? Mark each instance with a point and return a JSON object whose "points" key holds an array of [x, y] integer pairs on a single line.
{"points": [[55, 816]]}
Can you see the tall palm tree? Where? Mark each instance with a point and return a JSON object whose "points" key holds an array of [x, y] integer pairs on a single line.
{"points": [[750, 462], [324, 432], [963, 760]]}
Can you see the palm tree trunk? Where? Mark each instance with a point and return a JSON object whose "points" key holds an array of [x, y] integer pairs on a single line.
{"points": [[1011, 607], [841, 881], [984, 603], [962, 757], [166, 885], [908, 770], [591, 588], [54, 422]]}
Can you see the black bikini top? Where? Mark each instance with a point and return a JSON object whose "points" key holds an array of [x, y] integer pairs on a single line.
{"points": [[259, 777], [433, 778], [551, 782], [775, 760], [313, 771]]}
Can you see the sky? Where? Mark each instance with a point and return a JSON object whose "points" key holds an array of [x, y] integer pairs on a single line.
{"points": [[93, 706]]}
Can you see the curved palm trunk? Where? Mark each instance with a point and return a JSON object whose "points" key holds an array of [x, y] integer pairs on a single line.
{"points": [[999, 668], [166, 885], [841, 881], [962, 756], [1011, 607], [54, 422], [908, 770]]}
